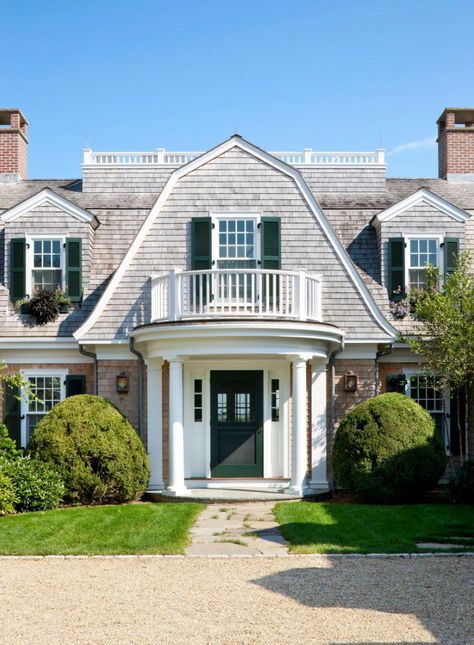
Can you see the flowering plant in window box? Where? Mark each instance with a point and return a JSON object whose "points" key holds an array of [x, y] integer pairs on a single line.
{"points": [[45, 305]]}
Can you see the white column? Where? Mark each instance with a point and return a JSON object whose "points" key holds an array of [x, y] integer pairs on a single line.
{"points": [[176, 436], [299, 444], [155, 423], [319, 480]]}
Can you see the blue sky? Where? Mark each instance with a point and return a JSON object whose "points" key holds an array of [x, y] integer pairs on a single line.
{"points": [[185, 75]]}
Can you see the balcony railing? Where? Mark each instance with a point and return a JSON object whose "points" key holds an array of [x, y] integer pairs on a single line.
{"points": [[253, 293], [162, 157]]}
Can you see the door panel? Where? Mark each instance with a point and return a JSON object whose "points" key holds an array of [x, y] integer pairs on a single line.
{"points": [[237, 424]]}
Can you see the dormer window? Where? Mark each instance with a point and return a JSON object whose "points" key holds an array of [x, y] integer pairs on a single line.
{"points": [[235, 242], [47, 262], [420, 253]]}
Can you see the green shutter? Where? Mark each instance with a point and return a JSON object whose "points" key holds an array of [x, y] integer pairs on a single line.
{"points": [[451, 252], [396, 383], [270, 238], [17, 269], [396, 268], [75, 384], [201, 247], [74, 269], [12, 412]]}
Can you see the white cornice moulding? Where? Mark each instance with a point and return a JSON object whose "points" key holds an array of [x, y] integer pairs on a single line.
{"points": [[47, 196], [238, 142], [422, 196]]}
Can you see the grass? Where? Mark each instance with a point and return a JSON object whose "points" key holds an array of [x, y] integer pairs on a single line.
{"points": [[99, 530], [356, 528]]}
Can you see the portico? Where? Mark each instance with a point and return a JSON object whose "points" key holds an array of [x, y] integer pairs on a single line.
{"points": [[237, 396]]}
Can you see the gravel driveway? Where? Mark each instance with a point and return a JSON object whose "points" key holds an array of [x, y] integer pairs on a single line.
{"points": [[241, 600]]}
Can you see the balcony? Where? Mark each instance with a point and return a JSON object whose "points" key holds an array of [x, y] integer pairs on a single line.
{"points": [[237, 293]]}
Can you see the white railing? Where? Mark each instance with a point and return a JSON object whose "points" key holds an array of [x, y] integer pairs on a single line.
{"points": [[160, 157], [257, 293]]}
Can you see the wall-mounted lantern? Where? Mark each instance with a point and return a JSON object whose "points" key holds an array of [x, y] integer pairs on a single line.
{"points": [[122, 383], [350, 382]]}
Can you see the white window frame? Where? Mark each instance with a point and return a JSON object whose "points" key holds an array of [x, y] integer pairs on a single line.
{"points": [[29, 260], [446, 402], [439, 253], [24, 398], [239, 215]]}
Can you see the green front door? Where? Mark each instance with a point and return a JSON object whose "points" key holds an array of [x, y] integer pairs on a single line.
{"points": [[237, 424]]}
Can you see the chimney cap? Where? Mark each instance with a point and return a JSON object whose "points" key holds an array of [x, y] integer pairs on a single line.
{"points": [[461, 115], [5, 114]]}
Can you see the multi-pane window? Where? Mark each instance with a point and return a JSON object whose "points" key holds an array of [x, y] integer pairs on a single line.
{"points": [[421, 253], [275, 399], [198, 400], [242, 407], [47, 392], [47, 270], [423, 389], [222, 407], [237, 247]]}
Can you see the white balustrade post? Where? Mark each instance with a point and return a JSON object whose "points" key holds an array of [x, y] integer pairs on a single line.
{"points": [[176, 484], [301, 295], [299, 443], [319, 481], [174, 294], [380, 155], [307, 155], [87, 155], [160, 154], [155, 423]]}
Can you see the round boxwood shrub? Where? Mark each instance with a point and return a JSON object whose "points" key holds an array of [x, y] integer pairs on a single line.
{"points": [[388, 450], [96, 450], [7, 495], [36, 486]]}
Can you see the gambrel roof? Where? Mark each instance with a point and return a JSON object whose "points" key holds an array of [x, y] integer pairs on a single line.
{"points": [[237, 142]]}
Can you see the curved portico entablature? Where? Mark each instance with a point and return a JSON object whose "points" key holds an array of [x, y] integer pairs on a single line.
{"points": [[236, 233]]}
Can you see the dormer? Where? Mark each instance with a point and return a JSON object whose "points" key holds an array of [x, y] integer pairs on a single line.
{"points": [[48, 243], [420, 230]]}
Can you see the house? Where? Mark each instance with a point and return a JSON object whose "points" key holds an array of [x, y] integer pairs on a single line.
{"points": [[233, 303]]}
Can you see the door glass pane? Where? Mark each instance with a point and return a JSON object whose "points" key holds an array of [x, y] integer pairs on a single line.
{"points": [[222, 407], [242, 407]]}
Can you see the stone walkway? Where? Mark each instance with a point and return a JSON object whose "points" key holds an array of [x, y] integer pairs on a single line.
{"points": [[237, 529]]}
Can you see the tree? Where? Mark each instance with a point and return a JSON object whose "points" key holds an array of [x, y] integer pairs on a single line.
{"points": [[446, 337]]}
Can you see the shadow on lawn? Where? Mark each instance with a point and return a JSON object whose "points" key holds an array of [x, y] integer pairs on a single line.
{"points": [[418, 588]]}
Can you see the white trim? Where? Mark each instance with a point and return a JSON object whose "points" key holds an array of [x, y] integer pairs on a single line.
{"points": [[44, 356], [47, 196], [29, 259], [233, 142], [422, 196], [62, 373], [23, 342]]}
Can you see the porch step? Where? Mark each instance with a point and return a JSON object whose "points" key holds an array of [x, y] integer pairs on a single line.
{"points": [[218, 495]]}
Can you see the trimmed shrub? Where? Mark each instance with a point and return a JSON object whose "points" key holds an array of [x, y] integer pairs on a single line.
{"points": [[7, 495], [36, 486], [462, 485], [8, 448], [388, 450], [96, 450]]}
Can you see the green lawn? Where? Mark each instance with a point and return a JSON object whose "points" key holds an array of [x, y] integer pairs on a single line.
{"points": [[356, 528], [96, 530]]}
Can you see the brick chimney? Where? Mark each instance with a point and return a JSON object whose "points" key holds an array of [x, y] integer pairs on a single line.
{"points": [[456, 145], [13, 145]]}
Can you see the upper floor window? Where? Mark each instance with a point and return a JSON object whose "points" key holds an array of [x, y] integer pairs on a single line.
{"points": [[235, 242], [421, 253], [47, 264]]}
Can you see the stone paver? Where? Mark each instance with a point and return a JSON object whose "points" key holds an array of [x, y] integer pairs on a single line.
{"points": [[237, 529]]}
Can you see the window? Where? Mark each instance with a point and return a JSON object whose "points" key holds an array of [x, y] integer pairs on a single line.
{"points": [[421, 252], [236, 244], [198, 400], [275, 399], [46, 264], [49, 389], [423, 390]]}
